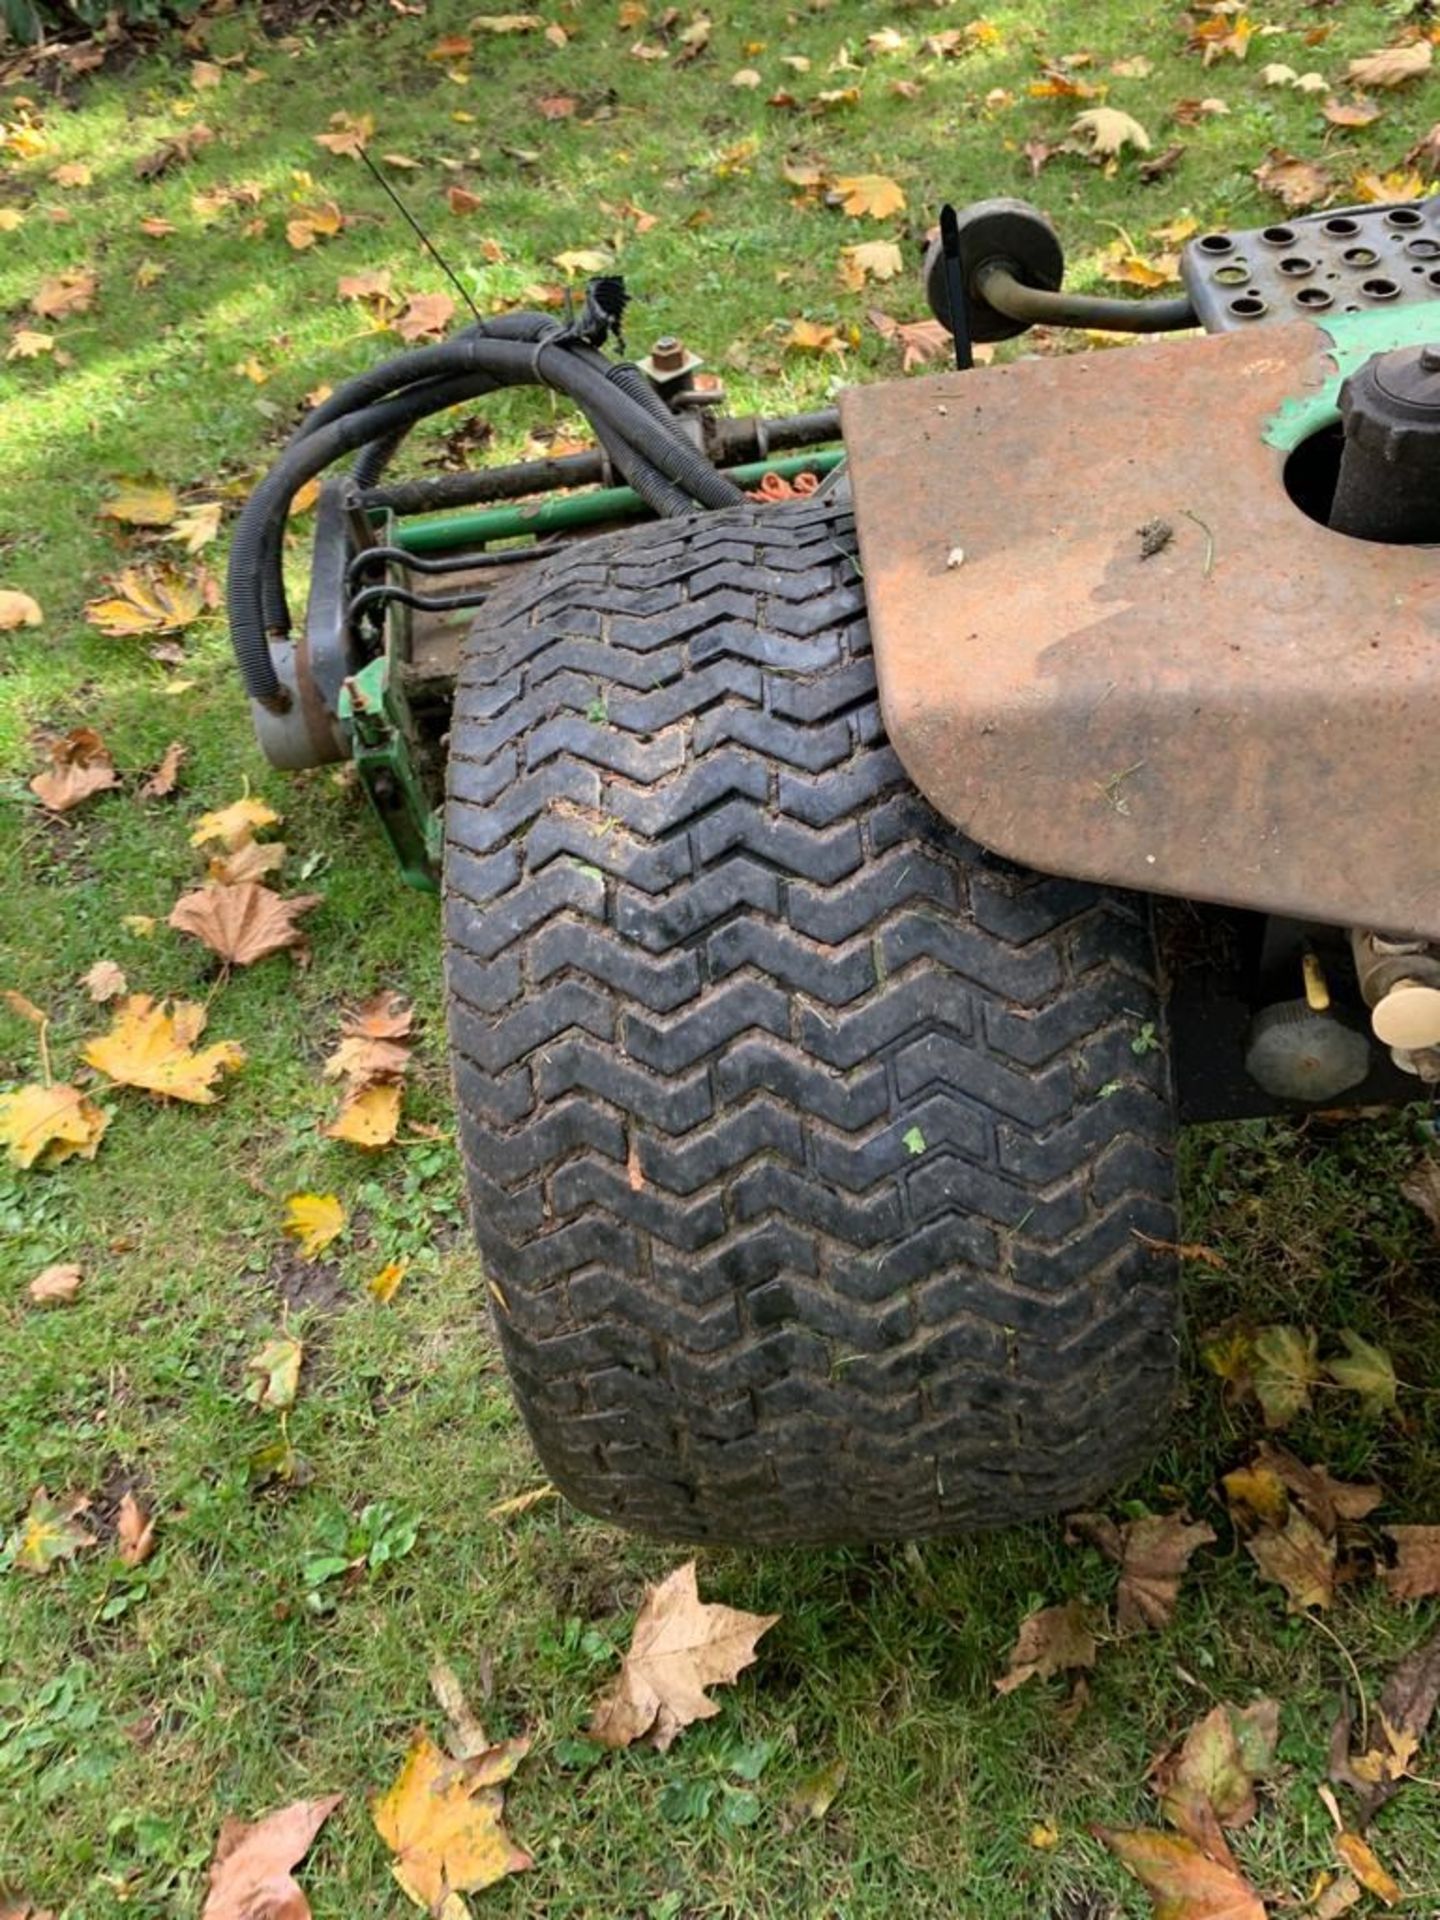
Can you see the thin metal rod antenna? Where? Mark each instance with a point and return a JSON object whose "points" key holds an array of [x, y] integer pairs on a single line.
{"points": [[424, 238]]}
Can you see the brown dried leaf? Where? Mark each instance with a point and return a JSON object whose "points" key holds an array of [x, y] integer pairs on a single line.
{"points": [[386, 1015], [1184, 1881], [1351, 113], [426, 316], [1416, 1572], [1406, 1706], [72, 291], [919, 341], [1297, 183], [1391, 66], [242, 923], [1300, 1559], [162, 781], [1327, 1501], [251, 1876], [80, 765], [681, 1645], [135, 1532], [1054, 1640], [56, 1286], [1108, 132], [1152, 1554], [146, 600], [251, 860], [349, 134]]}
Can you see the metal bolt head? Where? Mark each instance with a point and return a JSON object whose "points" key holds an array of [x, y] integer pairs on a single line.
{"points": [[668, 354], [1430, 359]]}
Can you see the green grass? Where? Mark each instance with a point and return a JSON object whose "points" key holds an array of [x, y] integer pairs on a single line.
{"points": [[137, 1710]]}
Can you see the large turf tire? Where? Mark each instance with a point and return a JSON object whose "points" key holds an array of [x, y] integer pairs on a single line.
{"points": [[809, 1148]]}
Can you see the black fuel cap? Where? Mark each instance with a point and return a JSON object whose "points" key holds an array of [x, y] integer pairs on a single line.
{"points": [[1389, 483]]}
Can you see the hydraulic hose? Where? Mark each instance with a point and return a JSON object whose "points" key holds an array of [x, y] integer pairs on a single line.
{"points": [[377, 408], [997, 286]]}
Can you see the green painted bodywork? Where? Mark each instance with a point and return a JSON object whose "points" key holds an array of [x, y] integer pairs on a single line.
{"points": [[1353, 338], [560, 513], [396, 769]]}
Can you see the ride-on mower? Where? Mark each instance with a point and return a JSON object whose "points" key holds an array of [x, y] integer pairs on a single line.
{"points": [[847, 895]]}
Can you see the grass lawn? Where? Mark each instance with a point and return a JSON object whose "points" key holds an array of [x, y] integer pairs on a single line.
{"points": [[139, 1706]]}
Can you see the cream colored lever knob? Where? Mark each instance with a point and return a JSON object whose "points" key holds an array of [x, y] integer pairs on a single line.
{"points": [[1408, 1016]]}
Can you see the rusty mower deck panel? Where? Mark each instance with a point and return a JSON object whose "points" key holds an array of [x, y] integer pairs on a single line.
{"points": [[1247, 716]]}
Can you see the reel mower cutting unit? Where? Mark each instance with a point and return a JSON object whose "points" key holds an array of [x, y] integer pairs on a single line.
{"points": [[858, 858]]}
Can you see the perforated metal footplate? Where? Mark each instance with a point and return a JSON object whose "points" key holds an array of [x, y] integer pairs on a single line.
{"points": [[1351, 260]]}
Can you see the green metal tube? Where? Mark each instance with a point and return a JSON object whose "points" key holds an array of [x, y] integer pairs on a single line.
{"points": [[558, 514]]}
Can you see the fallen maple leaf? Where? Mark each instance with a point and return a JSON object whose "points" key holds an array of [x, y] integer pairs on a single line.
{"points": [[814, 336], [55, 1286], [251, 860], [65, 293], [349, 134], [1391, 66], [18, 610], [134, 1531], [361, 1059], [1297, 183], [384, 1285], [310, 224], [444, 1822], [197, 525], [1416, 1572], [369, 1117], [870, 193], [1406, 1706], [276, 1369], [1184, 1882], [28, 344], [386, 1015], [314, 1220], [80, 765], [1263, 1491], [425, 314], [1368, 1371], [919, 341], [681, 1645], [1300, 1559], [50, 1532], [1283, 1368], [1152, 1554], [44, 1126], [1109, 131], [1054, 1640], [251, 1875], [582, 260], [104, 981], [235, 825], [146, 600], [242, 923], [1218, 1764], [161, 783], [1351, 113], [141, 503], [870, 260], [153, 1048]]}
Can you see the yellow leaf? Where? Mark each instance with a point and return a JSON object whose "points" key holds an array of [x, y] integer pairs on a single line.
{"points": [[1367, 1370], [26, 344], [812, 336], [1360, 1857], [746, 77], [50, 1532], [149, 600], [444, 1822], [583, 260], [871, 259], [141, 503], [368, 1118], [232, 826], [276, 1370], [11, 219], [153, 1048], [1109, 131], [314, 1220], [521, 1502], [142, 925], [197, 525], [45, 1125], [870, 193], [506, 23], [386, 1283], [18, 610], [1043, 1835]]}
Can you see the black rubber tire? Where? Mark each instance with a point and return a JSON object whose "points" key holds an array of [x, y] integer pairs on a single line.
{"points": [[808, 1147]]}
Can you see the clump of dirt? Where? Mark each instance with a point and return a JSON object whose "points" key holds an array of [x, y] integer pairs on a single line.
{"points": [[300, 1283]]}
